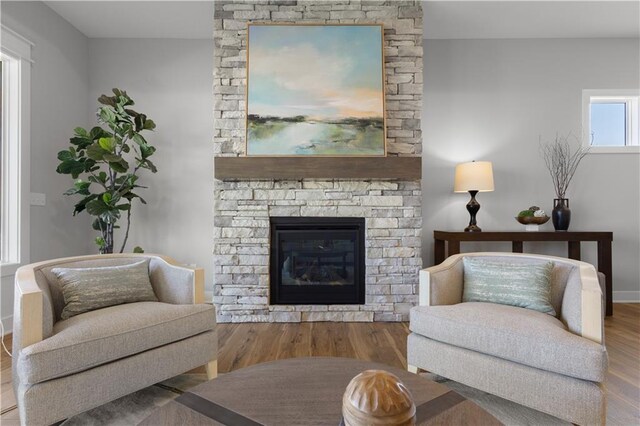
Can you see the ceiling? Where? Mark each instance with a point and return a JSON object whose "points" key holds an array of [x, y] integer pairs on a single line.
{"points": [[138, 19], [444, 19], [531, 19]]}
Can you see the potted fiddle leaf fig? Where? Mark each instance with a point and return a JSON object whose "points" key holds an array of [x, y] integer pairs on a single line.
{"points": [[106, 162]]}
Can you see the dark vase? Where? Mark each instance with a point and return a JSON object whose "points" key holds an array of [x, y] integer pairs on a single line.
{"points": [[561, 214]]}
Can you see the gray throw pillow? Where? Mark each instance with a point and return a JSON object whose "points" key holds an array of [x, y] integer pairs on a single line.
{"points": [[88, 289], [516, 284]]}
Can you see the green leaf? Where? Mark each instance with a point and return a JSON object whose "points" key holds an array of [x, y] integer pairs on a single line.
{"points": [[96, 152], [81, 205], [80, 132], [106, 197], [107, 115], [71, 167], [149, 125], [106, 213], [98, 132], [81, 184], [119, 166], [108, 144], [80, 142], [121, 179], [96, 224], [79, 187], [121, 93], [124, 207], [149, 165], [139, 120], [107, 100], [146, 151], [65, 156], [100, 242], [138, 249], [139, 139], [130, 196], [96, 207], [99, 178], [112, 158]]}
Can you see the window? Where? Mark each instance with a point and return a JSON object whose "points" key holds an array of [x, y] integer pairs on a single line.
{"points": [[15, 57], [611, 119]]}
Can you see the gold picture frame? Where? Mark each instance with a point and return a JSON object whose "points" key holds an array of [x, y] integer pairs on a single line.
{"points": [[275, 127]]}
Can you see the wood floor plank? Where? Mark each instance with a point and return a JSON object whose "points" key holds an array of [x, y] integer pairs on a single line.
{"points": [[242, 345]]}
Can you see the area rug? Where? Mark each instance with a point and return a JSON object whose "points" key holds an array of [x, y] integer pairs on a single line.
{"points": [[507, 412], [133, 408]]}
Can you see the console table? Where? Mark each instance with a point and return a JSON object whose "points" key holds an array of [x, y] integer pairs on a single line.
{"points": [[573, 239]]}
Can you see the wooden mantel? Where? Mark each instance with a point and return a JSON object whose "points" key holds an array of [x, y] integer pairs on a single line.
{"points": [[396, 168]]}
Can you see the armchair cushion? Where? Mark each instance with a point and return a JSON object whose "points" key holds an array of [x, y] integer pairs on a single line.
{"points": [[520, 335], [88, 289], [524, 285], [105, 335]]}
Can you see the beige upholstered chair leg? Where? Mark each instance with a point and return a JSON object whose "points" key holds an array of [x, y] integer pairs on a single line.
{"points": [[212, 369]]}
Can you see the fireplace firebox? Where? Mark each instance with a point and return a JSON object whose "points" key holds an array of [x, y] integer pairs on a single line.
{"points": [[317, 260]]}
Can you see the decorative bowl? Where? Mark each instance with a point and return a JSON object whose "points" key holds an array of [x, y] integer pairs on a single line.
{"points": [[532, 220]]}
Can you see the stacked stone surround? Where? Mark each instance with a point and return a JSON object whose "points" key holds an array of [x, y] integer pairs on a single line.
{"points": [[392, 209]]}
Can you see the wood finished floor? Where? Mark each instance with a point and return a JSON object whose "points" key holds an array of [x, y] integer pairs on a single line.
{"points": [[242, 345]]}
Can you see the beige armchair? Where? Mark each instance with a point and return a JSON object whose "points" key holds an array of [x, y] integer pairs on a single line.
{"points": [[555, 365], [64, 367]]}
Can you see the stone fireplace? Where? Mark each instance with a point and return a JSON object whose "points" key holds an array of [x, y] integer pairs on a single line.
{"points": [[247, 209]]}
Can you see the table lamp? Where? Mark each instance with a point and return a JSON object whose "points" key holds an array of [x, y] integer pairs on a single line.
{"points": [[473, 177]]}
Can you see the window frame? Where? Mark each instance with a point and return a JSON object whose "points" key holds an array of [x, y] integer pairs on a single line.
{"points": [[630, 97], [16, 150]]}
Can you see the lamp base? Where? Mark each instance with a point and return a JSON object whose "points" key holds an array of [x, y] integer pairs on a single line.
{"points": [[472, 228], [472, 207]]}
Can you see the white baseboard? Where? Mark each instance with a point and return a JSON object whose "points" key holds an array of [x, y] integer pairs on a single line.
{"points": [[626, 296], [7, 324]]}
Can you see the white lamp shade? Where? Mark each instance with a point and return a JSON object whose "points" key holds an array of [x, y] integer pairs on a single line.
{"points": [[474, 176]]}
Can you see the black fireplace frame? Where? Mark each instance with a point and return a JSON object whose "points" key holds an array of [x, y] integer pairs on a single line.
{"points": [[316, 294]]}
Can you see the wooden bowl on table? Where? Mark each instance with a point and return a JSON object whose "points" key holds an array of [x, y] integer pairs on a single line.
{"points": [[532, 220]]}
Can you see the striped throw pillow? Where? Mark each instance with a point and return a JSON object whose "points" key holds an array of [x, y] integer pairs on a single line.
{"points": [[88, 289], [516, 284]]}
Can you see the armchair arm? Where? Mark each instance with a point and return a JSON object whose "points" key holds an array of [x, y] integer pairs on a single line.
{"points": [[174, 283], [442, 284], [28, 309], [582, 303]]}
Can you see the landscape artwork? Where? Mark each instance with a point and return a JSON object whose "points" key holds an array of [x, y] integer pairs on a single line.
{"points": [[315, 90]]}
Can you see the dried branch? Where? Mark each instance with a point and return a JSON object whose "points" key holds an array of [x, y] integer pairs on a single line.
{"points": [[561, 161]]}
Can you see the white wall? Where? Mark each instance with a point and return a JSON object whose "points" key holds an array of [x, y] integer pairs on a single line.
{"points": [[59, 89], [491, 100], [171, 81]]}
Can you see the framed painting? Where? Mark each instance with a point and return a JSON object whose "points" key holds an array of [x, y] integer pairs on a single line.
{"points": [[315, 90]]}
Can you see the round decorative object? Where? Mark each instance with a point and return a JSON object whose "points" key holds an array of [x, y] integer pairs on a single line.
{"points": [[377, 398], [532, 220], [561, 214]]}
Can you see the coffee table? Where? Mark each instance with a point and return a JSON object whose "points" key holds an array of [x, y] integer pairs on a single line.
{"points": [[305, 391]]}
